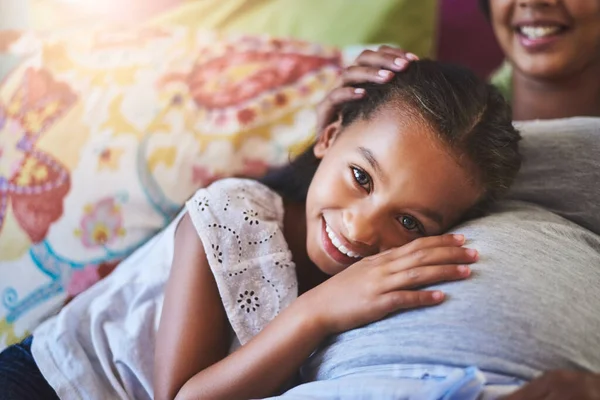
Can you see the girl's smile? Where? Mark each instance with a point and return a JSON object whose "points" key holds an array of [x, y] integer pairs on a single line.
{"points": [[338, 247], [382, 183]]}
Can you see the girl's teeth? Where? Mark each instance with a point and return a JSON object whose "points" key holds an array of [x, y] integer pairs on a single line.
{"points": [[535, 32], [336, 242]]}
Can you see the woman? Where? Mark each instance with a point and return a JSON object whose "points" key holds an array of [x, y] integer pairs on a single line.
{"points": [[553, 48], [555, 68]]}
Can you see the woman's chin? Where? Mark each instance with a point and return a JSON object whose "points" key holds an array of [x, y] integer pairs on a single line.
{"points": [[545, 67]]}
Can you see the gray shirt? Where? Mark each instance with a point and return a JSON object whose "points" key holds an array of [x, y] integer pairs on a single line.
{"points": [[533, 302]]}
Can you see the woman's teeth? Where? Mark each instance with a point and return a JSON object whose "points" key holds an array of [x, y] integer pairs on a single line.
{"points": [[536, 32], [338, 245]]}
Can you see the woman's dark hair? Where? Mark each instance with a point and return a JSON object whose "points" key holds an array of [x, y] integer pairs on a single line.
{"points": [[484, 6], [468, 115]]}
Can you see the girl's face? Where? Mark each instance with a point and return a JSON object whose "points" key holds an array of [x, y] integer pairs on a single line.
{"points": [[381, 183], [548, 38]]}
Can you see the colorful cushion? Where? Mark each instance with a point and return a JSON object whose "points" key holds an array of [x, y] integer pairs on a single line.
{"points": [[103, 136], [408, 23]]}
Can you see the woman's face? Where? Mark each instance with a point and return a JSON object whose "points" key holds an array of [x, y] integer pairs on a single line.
{"points": [[381, 183], [548, 39]]}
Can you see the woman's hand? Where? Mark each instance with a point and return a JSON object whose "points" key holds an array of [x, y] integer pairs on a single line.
{"points": [[370, 66], [563, 385], [376, 286]]}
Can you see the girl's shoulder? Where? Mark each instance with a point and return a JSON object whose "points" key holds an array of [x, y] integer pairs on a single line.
{"points": [[240, 224], [246, 199]]}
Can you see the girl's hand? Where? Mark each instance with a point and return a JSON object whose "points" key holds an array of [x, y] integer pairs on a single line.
{"points": [[370, 66], [376, 286]]}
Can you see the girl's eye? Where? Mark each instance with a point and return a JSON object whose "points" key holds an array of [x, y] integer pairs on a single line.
{"points": [[409, 223], [361, 177]]}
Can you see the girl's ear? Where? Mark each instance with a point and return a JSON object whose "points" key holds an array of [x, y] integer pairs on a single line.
{"points": [[327, 137]]}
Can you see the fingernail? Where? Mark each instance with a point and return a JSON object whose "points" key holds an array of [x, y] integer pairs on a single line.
{"points": [[464, 270], [359, 91], [384, 73], [401, 62], [472, 253], [437, 296], [412, 57], [459, 238]]}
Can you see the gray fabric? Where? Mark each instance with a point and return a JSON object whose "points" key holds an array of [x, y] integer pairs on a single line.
{"points": [[533, 302], [561, 169]]}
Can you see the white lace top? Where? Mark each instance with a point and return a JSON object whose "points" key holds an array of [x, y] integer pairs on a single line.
{"points": [[240, 223], [100, 346]]}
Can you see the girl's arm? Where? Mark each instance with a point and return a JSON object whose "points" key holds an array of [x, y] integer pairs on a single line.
{"points": [[263, 365], [365, 292], [193, 336], [193, 332]]}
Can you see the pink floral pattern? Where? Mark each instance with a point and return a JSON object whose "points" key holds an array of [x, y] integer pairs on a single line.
{"points": [[101, 224], [82, 279]]}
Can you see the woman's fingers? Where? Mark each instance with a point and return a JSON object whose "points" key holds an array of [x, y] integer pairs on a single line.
{"points": [[383, 60], [398, 52], [370, 66], [327, 109], [425, 276], [363, 74]]}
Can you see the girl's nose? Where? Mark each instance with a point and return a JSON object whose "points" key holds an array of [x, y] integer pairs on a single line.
{"points": [[361, 227]]}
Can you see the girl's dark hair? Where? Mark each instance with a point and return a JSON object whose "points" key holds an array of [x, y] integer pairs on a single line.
{"points": [[468, 115]]}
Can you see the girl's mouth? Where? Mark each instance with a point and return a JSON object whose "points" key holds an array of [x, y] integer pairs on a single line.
{"points": [[334, 247]]}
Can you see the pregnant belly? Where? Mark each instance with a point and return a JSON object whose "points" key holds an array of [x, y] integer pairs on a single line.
{"points": [[531, 305]]}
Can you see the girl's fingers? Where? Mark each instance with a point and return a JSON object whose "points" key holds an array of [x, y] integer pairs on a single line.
{"points": [[424, 276], [423, 243], [403, 300], [362, 74], [428, 242], [381, 60], [434, 256]]}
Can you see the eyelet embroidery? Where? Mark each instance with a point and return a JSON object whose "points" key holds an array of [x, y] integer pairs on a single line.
{"points": [[248, 301], [203, 203], [251, 216], [283, 264], [233, 233], [248, 256], [217, 254], [227, 203]]}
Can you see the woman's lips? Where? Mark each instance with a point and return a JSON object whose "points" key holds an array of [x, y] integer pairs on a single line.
{"points": [[538, 38], [538, 44]]}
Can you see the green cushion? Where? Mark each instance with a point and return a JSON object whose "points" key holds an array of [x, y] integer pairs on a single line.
{"points": [[407, 23], [502, 79]]}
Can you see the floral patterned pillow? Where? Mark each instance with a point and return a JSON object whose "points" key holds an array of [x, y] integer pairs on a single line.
{"points": [[103, 136]]}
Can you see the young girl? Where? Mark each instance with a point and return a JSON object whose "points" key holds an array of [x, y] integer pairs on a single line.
{"points": [[248, 262]]}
